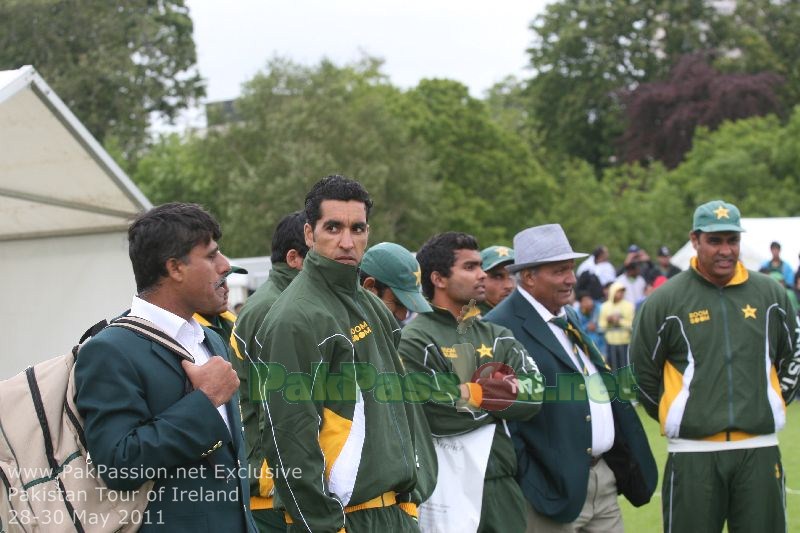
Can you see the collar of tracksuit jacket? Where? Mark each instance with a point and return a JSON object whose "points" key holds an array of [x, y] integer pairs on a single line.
{"points": [[341, 278]]}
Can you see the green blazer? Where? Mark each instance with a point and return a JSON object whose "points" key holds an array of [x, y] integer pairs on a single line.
{"points": [[554, 447], [142, 422]]}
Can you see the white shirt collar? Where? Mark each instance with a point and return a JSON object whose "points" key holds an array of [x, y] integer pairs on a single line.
{"points": [[542, 310], [170, 323]]}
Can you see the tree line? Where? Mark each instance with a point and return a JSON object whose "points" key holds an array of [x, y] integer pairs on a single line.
{"points": [[636, 112]]}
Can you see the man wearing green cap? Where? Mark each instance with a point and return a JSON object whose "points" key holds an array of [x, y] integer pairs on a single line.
{"points": [[391, 273], [715, 351], [499, 282]]}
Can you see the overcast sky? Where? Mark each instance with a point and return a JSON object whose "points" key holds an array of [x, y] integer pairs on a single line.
{"points": [[477, 42]]}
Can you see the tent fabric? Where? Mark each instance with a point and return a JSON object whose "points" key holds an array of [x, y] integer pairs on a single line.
{"points": [[754, 249], [65, 207], [55, 178]]}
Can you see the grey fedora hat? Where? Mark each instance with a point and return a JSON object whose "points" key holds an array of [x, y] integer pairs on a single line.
{"points": [[539, 245]]}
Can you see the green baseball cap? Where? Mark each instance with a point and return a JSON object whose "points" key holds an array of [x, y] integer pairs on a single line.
{"points": [[496, 255], [716, 215], [236, 270], [396, 267]]}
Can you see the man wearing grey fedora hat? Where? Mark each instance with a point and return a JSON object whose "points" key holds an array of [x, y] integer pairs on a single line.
{"points": [[582, 449]]}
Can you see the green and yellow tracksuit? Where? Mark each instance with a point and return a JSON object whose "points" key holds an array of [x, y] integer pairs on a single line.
{"points": [[242, 341], [429, 344], [716, 367], [221, 324], [336, 430]]}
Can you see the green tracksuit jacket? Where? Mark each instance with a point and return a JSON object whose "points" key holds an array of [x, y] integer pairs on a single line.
{"points": [[717, 363], [242, 341], [339, 437], [427, 346]]}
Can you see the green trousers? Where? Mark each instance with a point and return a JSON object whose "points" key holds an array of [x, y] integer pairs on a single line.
{"points": [[702, 490], [503, 507]]}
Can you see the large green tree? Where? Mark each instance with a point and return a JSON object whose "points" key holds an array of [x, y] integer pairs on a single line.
{"points": [[115, 64], [492, 183], [584, 51], [293, 125]]}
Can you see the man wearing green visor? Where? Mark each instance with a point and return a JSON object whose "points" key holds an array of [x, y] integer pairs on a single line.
{"points": [[391, 273]]}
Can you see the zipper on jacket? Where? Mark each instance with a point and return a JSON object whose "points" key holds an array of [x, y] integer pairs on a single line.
{"points": [[728, 360]]}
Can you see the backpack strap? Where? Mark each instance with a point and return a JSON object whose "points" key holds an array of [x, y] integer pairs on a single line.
{"points": [[147, 329]]}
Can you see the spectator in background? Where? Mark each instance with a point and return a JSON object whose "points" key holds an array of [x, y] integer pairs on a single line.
{"points": [[631, 277], [776, 264], [616, 320], [599, 265], [663, 266], [499, 282], [588, 319]]}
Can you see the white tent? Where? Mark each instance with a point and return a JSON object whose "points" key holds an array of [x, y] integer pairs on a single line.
{"points": [[758, 234], [64, 210]]}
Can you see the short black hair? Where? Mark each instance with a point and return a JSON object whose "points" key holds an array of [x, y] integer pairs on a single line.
{"points": [[165, 232], [438, 255], [775, 244], [289, 236], [334, 187]]}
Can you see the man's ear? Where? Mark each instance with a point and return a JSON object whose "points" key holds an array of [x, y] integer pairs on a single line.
{"points": [[308, 233], [294, 259], [175, 268], [695, 238], [369, 284], [439, 281]]}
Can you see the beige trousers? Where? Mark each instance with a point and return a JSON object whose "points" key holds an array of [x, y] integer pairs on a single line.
{"points": [[600, 512]]}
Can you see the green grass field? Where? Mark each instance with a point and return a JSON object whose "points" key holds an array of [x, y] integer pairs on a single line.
{"points": [[648, 517]]}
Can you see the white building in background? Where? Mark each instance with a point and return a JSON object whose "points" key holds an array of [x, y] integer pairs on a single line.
{"points": [[65, 207]]}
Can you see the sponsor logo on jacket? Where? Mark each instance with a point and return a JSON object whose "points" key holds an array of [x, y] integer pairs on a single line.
{"points": [[695, 317], [360, 331]]}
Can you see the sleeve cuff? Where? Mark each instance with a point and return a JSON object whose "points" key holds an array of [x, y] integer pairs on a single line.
{"points": [[475, 394]]}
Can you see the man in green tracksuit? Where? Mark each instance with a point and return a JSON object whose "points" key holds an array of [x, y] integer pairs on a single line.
{"points": [[340, 440], [499, 281], [498, 379], [716, 358], [287, 252]]}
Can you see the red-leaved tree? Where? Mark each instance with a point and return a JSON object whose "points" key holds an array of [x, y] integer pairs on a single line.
{"points": [[662, 115]]}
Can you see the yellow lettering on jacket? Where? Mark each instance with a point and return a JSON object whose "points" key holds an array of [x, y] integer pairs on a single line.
{"points": [[695, 317], [360, 331]]}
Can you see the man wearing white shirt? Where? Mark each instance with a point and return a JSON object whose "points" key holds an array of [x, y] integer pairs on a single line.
{"points": [[150, 415], [580, 451]]}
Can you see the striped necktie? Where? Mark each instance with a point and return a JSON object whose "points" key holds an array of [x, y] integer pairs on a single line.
{"points": [[578, 340]]}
